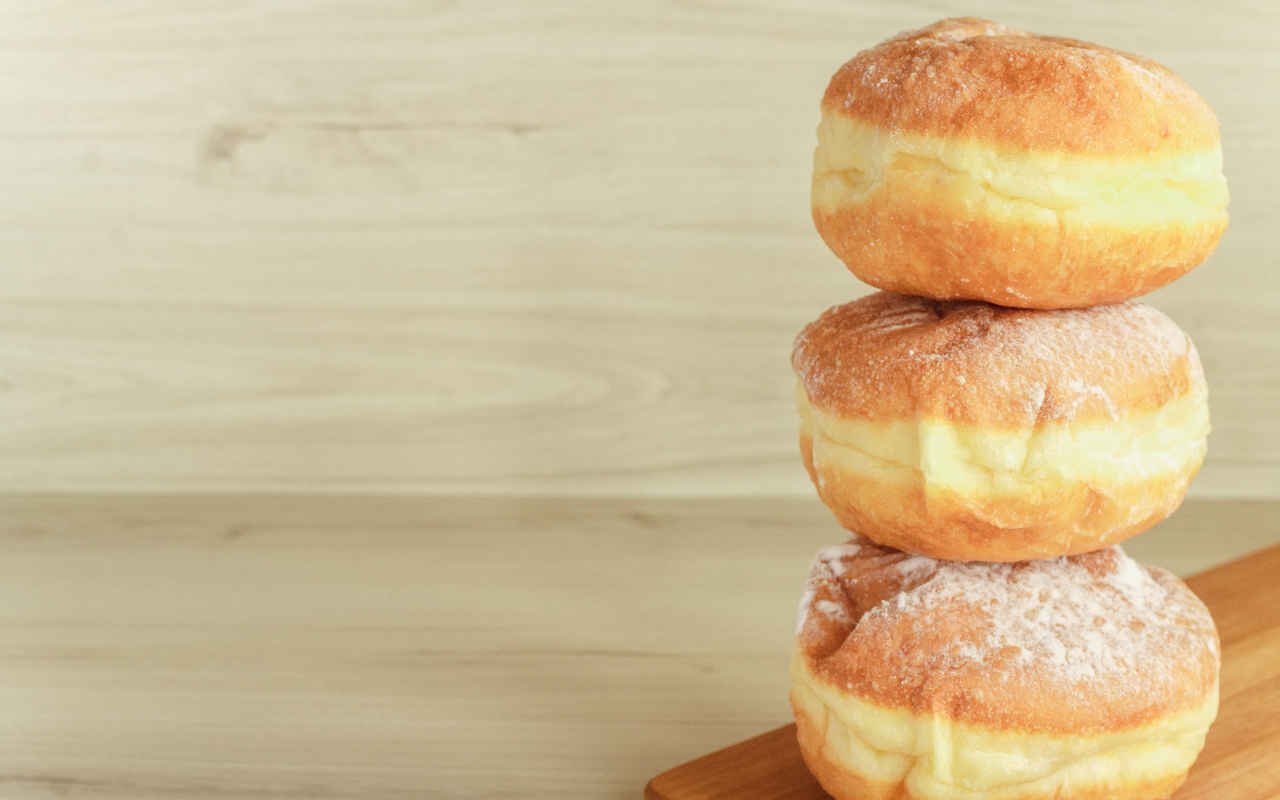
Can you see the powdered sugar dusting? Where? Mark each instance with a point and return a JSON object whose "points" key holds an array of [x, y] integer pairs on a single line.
{"points": [[973, 361], [830, 569], [913, 565], [832, 610], [1088, 619], [833, 557], [1052, 615], [802, 613]]}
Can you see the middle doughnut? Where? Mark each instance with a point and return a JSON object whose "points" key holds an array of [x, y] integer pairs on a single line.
{"points": [[967, 431]]}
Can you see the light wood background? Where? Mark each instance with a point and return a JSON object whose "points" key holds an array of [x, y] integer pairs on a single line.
{"points": [[505, 247]]}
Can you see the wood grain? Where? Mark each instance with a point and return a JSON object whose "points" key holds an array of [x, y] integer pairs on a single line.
{"points": [[1238, 762], [552, 248], [268, 647]]}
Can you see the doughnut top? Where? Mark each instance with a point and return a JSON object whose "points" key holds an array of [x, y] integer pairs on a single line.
{"points": [[889, 356], [1074, 644], [975, 79]]}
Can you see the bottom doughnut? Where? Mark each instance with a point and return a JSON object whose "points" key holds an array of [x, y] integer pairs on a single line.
{"points": [[1086, 676]]}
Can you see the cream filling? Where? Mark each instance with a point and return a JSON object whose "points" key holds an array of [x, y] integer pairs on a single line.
{"points": [[853, 159], [940, 759], [980, 461]]}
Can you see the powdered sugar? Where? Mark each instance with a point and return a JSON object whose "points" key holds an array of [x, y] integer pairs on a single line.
{"points": [[802, 612], [830, 567], [975, 362], [1071, 620], [1052, 615], [834, 557], [832, 610], [913, 565]]}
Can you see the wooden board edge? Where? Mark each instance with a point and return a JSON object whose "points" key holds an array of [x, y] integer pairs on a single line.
{"points": [[655, 789]]}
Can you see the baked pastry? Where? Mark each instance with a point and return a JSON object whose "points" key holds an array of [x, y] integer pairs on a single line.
{"points": [[967, 431], [1085, 676], [970, 160]]}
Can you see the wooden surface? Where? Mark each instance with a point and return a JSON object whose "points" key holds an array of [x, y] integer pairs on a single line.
{"points": [[1240, 761], [233, 647], [543, 248]]}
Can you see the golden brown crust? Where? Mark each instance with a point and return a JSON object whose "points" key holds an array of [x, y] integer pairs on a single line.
{"points": [[905, 238], [1066, 517], [975, 79], [890, 357], [1079, 645], [845, 784]]}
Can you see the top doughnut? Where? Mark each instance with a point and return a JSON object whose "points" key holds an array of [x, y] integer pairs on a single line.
{"points": [[967, 160]]}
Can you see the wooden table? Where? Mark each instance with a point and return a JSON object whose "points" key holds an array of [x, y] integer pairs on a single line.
{"points": [[382, 647]]}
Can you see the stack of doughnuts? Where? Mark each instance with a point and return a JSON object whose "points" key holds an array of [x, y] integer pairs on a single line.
{"points": [[995, 421]]}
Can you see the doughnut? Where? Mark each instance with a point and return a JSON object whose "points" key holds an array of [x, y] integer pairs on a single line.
{"points": [[967, 160], [968, 431], [1084, 676]]}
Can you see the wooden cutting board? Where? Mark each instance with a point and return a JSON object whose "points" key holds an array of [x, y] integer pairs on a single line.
{"points": [[1241, 758]]}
